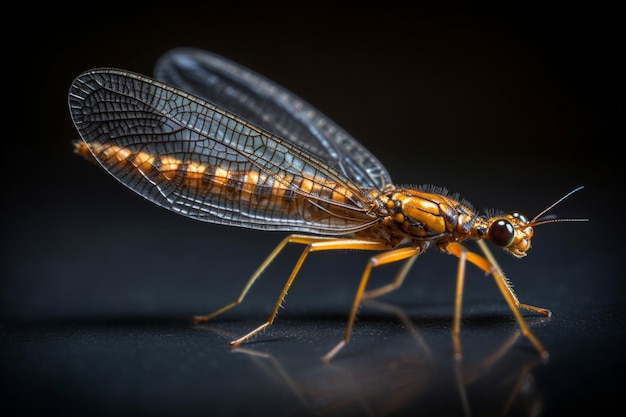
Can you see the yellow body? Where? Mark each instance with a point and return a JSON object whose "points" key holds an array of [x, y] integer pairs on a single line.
{"points": [[200, 161]]}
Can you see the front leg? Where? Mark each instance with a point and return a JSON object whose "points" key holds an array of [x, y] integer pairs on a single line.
{"points": [[464, 255]]}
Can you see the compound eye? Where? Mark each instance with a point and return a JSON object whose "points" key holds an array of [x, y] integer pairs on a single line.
{"points": [[501, 233], [521, 216]]}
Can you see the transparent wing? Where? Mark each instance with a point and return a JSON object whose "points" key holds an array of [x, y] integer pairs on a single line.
{"points": [[259, 100], [196, 159]]}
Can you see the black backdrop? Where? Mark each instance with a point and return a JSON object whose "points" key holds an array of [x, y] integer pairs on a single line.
{"points": [[510, 106]]}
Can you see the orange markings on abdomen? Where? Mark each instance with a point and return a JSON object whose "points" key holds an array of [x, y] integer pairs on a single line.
{"points": [[255, 187]]}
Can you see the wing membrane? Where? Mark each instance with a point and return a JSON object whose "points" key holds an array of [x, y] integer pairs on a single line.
{"points": [[259, 100], [200, 161]]}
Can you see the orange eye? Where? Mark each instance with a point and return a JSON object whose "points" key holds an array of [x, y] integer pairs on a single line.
{"points": [[501, 233]]}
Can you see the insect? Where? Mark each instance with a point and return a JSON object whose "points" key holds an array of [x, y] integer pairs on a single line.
{"points": [[251, 154]]}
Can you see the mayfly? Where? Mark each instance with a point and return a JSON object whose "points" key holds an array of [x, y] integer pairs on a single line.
{"points": [[214, 141]]}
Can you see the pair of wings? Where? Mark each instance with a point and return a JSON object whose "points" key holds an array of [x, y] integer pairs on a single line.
{"points": [[209, 111]]}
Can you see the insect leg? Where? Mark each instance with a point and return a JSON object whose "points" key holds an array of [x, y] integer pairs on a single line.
{"points": [[314, 244], [380, 259], [302, 239], [458, 301], [494, 263], [463, 254], [395, 284]]}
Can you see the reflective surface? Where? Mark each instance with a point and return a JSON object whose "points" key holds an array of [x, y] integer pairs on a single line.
{"points": [[118, 338], [161, 366], [511, 109]]}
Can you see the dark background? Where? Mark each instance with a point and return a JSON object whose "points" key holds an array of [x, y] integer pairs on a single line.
{"points": [[510, 106]]}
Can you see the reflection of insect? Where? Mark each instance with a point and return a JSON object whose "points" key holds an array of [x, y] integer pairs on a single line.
{"points": [[276, 163]]}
